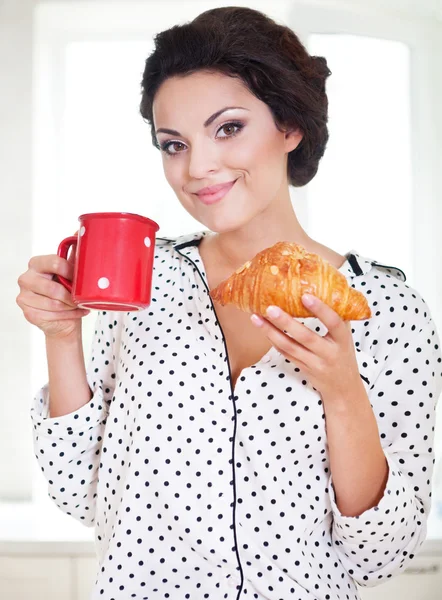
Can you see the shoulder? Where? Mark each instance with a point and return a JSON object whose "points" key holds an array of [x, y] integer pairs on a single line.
{"points": [[164, 245], [171, 244], [169, 249], [401, 330], [387, 288], [400, 314], [171, 257]]}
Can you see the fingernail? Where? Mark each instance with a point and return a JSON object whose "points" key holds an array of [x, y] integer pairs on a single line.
{"points": [[308, 300], [273, 311], [257, 320]]}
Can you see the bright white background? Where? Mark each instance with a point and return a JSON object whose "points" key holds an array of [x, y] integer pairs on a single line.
{"points": [[73, 141]]}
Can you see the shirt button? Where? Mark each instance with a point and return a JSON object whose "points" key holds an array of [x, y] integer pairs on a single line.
{"points": [[233, 582]]}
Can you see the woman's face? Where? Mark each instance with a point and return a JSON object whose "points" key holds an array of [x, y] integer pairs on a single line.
{"points": [[242, 144]]}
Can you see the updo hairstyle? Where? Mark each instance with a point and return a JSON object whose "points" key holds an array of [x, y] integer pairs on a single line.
{"points": [[269, 59]]}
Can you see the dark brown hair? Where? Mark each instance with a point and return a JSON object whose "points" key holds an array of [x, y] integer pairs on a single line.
{"points": [[270, 60]]}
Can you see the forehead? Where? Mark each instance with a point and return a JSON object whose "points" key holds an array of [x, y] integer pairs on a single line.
{"points": [[195, 95]]}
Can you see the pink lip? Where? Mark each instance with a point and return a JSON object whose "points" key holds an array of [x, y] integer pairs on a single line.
{"points": [[216, 192]]}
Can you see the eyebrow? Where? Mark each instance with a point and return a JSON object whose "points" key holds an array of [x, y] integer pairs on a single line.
{"points": [[208, 122]]}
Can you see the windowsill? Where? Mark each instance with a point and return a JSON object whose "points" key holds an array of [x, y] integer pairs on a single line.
{"points": [[31, 528], [433, 543]]}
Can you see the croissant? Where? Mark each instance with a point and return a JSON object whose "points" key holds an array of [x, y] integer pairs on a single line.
{"points": [[279, 275]]}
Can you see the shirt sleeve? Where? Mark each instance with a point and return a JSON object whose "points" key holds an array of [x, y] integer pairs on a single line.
{"points": [[68, 448], [380, 542]]}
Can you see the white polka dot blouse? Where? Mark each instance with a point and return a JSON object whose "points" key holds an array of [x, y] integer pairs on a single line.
{"points": [[197, 490]]}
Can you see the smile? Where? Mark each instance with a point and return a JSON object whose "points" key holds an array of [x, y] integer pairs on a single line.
{"points": [[217, 196]]}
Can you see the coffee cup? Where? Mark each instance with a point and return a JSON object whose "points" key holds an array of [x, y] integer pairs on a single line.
{"points": [[113, 261]]}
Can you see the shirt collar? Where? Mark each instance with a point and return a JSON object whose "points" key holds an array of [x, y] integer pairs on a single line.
{"points": [[355, 264], [189, 239], [361, 265]]}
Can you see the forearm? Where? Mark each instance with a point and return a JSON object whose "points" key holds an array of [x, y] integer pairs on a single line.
{"points": [[68, 386], [357, 462], [68, 449]]}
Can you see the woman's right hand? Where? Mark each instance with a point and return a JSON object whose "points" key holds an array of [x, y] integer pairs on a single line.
{"points": [[45, 302]]}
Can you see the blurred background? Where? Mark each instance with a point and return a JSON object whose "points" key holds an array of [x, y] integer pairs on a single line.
{"points": [[72, 141]]}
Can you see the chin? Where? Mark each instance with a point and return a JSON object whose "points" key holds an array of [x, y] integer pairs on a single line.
{"points": [[223, 224]]}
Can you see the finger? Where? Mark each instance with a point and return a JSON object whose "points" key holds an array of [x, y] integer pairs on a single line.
{"points": [[330, 318], [29, 299], [282, 341], [298, 331], [296, 361], [52, 264], [34, 315], [39, 285]]}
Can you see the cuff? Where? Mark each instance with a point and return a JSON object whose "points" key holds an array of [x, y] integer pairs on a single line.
{"points": [[379, 522], [83, 419]]}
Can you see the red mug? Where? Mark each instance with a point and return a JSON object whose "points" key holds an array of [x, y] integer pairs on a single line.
{"points": [[113, 262]]}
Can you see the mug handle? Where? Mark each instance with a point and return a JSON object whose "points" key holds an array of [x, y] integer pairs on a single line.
{"points": [[62, 251]]}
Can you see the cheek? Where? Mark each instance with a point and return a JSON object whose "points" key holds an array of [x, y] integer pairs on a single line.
{"points": [[262, 165], [259, 156], [176, 179], [172, 173], [246, 154]]}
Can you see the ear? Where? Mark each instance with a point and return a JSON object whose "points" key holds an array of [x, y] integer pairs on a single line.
{"points": [[292, 139]]}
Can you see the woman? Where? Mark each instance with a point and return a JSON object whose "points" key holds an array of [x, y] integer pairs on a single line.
{"points": [[218, 455]]}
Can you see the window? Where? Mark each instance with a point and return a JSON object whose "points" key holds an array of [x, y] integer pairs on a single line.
{"points": [[361, 198]]}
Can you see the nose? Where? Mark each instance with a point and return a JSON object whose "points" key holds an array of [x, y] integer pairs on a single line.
{"points": [[203, 159]]}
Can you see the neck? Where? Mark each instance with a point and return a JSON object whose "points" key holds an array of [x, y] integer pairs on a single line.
{"points": [[231, 249], [277, 223]]}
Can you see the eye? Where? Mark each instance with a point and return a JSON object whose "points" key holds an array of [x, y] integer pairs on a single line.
{"points": [[235, 125], [165, 147], [232, 124]]}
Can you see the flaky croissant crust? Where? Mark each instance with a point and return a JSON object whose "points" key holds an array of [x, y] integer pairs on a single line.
{"points": [[280, 275]]}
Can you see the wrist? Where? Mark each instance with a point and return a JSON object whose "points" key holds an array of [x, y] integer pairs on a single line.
{"points": [[67, 340], [345, 402]]}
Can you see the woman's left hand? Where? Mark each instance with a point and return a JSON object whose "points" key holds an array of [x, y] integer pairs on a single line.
{"points": [[329, 361]]}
